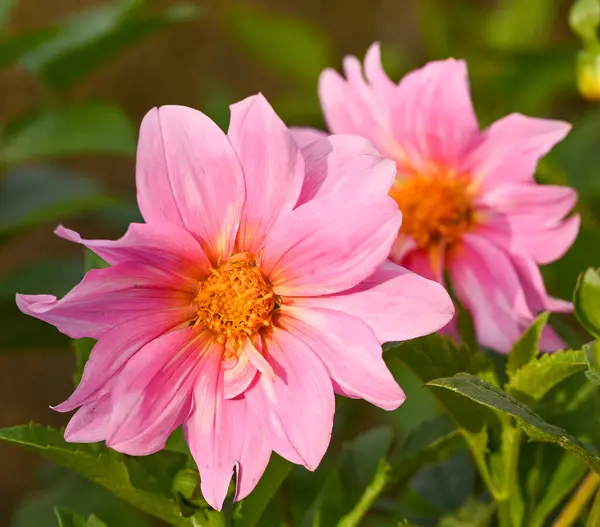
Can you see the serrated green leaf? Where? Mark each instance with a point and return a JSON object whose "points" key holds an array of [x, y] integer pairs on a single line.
{"points": [[302, 49], [145, 482], [70, 519], [527, 347], [89, 128], [92, 38], [567, 475], [32, 195], [247, 513], [489, 396], [592, 358], [587, 301], [534, 380]]}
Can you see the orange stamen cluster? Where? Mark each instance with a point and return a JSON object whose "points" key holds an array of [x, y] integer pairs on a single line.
{"points": [[234, 302], [435, 208]]}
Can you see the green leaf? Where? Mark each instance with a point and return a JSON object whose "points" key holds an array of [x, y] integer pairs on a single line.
{"points": [[32, 195], [58, 487], [587, 301], [520, 24], [489, 396], [13, 47], [565, 478], [20, 331], [70, 519], [592, 358], [145, 482], [347, 480], [432, 441], [89, 128], [527, 347], [473, 513], [92, 38], [302, 50], [247, 513], [534, 380], [432, 357]]}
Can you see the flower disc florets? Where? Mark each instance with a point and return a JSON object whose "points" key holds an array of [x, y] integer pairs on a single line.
{"points": [[235, 301]]}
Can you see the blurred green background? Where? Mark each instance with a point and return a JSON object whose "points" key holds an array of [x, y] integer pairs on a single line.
{"points": [[76, 77]]}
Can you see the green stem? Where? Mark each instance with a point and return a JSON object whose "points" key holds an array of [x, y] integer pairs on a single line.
{"points": [[512, 508], [484, 471], [369, 496], [478, 453], [574, 508]]}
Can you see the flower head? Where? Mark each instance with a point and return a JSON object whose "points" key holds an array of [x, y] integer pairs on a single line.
{"points": [[257, 288], [469, 199]]}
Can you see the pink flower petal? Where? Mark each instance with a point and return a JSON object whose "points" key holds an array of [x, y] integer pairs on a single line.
{"points": [[531, 206], [349, 350], [235, 437], [164, 246], [407, 305], [297, 407], [343, 109], [535, 290], [304, 136], [541, 243], [152, 394], [433, 117], [428, 263], [188, 174], [550, 341], [375, 73], [250, 447], [510, 149], [156, 195], [329, 244], [112, 352], [108, 297], [91, 422], [487, 284], [239, 377], [209, 431], [348, 164], [255, 356], [273, 168]]}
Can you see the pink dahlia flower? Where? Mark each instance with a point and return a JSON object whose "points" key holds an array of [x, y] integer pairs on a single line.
{"points": [[257, 288], [469, 199]]}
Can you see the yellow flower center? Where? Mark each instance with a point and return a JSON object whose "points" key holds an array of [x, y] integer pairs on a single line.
{"points": [[435, 208], [235, 301]]}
